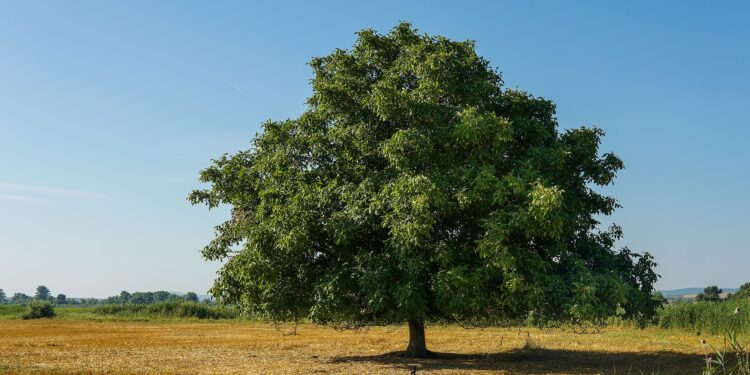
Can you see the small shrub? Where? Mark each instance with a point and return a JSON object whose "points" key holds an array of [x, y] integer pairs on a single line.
{"points": [[38, 310]]}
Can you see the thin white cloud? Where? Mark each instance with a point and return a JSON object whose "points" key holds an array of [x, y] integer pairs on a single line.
{"points": [[45, 190], [233, 85], [20, 199]]}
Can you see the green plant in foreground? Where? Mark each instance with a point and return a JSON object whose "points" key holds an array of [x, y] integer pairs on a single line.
{"points": [[38, 310], [733, 359]]}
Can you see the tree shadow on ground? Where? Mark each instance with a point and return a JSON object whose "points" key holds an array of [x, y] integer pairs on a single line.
{"points": [[545, 361]]}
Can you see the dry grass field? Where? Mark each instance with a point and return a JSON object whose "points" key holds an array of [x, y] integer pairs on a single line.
{"points": [[63, 346]]}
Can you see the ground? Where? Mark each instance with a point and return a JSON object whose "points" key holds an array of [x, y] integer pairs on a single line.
{"points": [[62, 346]]}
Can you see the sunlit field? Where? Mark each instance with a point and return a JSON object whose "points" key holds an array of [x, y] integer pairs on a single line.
{"points": [[59, 345]]}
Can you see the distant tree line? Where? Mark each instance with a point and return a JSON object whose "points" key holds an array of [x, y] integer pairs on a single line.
{"points": [[149, 297], [44, 294], [712, 293]]}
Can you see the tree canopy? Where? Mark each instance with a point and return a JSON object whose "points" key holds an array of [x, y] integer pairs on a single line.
{"points": [[42, 293], [710, 293], [143, 297], [19, 298], [416, 187], [743, 292], [191, 297]]}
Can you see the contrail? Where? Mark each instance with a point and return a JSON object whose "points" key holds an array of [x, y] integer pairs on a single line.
{"points": [[233, 85]]}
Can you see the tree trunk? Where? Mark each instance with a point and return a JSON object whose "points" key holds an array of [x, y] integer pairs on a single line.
{"points": [[417, 347]]}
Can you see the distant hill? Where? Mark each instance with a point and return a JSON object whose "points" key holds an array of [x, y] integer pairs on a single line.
{"points": [[689, 291]]}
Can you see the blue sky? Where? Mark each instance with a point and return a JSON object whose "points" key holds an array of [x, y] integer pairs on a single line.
{"points": [[109, 109]]}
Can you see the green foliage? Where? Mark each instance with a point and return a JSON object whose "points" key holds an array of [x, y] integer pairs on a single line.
{"points": [[142, 297], [166, 311], [658, 298], [42, 293], [12, 311], [708, 317], [416, 187], [172, 309], [733, 359], [61, 299], [744, 291], [191, 297], [19, 298], [710, 293], [38, 310], [3, 297]]}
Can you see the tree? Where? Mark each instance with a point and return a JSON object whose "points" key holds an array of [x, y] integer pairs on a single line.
{"points": [[163, 296], [413, 188], [743, 292], [710, 293], [42, 293], [3, 297], [124, 297], [659, 298], [142, 297], [19, 298], [191, 297], [61, 299]]}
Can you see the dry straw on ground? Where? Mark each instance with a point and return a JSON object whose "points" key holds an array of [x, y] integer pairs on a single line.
{"points": [[59, 346]]}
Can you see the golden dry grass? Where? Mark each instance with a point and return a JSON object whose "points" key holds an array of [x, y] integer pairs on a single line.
{"points": [[60, 346]]}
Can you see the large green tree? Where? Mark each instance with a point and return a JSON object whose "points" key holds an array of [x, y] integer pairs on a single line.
{"points": [[415, 187]]}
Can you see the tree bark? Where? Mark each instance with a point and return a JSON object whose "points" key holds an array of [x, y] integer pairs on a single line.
{"points": [[417, 347]]}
